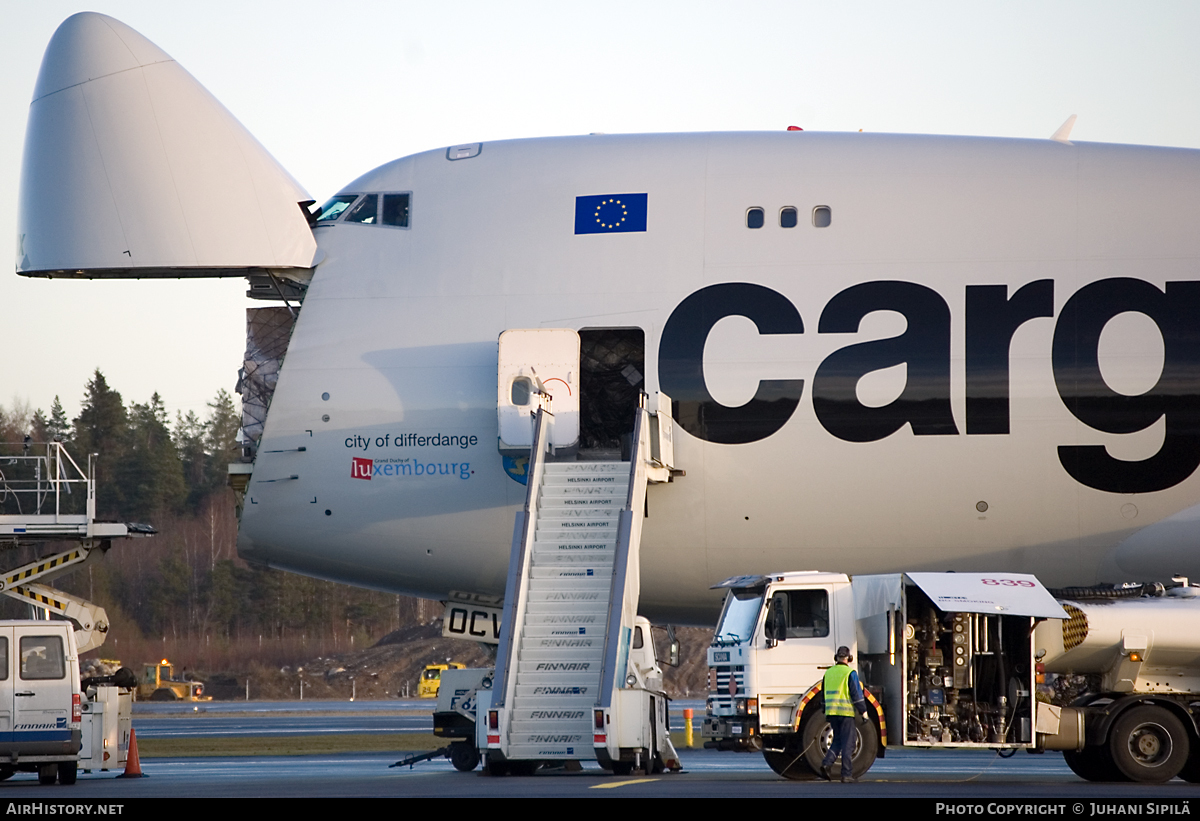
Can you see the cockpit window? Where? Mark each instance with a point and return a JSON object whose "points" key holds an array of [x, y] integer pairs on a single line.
{"points": [[365, 210], [395, 210], [333, 209]]}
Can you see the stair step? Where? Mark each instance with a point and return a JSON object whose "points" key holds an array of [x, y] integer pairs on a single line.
{"points": [[585, 593], [544, 727], [558, 643], [563, 584], [576, 669], [547, 572], [584, 626], [550, 539], [568, 559], [579, 501], [558, 695], [587, 480], [561, 714], [571, 620], [562, 468], [553, 493], [585, 699], [559, 683], [580, 513], [581, 547], [598, 607], [586, 653], [575, 525]]}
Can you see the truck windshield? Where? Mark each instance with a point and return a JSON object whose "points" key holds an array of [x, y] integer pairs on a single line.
{"points": [[740, 614]]}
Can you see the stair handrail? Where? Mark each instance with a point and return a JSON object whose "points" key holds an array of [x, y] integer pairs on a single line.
{"points": [[515, 591], [627, 578]]}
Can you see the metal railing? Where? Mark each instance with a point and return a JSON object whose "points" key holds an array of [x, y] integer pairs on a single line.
{"points": [[516, 591], [31, 480]]}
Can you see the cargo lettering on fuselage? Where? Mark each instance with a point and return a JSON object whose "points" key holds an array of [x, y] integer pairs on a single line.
{"points": [[992, 317]]}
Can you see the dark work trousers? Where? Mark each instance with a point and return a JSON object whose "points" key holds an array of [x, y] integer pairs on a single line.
{"points": [[843, 743]]}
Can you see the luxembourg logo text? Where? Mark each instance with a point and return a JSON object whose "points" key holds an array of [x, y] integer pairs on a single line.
{"points": [[370, 468]]}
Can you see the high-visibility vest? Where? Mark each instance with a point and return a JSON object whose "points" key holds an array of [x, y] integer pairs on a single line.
{"points": [[837, 691]]}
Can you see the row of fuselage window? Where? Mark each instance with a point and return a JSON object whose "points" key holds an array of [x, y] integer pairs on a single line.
{"points": [[789, 217]]}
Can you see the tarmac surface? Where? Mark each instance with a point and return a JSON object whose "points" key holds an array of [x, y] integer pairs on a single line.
{"points": [[952, 776]]}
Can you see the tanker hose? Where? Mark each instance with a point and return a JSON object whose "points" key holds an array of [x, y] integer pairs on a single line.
{"points": [[1099, 591]]}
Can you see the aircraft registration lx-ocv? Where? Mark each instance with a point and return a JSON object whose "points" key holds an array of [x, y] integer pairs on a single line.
{"points": [[885, 352]]}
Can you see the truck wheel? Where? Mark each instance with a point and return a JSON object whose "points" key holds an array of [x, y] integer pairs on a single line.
{"points": [[497, 768], [790, 761], [1148, 744], [464, 757], [163, 694], [47, 774], [68, 771], [622, 767], [817, 737]]}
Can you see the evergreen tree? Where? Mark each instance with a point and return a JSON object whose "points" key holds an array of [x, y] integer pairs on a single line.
{"points": [[59, 427], [190, 435], [221, 432], [39, 428], [102, 427], [153, 472]]}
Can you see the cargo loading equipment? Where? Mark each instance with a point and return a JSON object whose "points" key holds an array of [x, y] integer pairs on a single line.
{"points": [[41, 486]]}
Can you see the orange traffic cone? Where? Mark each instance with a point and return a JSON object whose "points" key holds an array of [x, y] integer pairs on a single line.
{"points": [[133, 766]]}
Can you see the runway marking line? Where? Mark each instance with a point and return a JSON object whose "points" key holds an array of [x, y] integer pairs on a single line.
{"points": [[624, 783]]}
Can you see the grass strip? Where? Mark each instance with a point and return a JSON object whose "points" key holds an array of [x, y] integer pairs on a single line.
{"points": [[400, 743]]}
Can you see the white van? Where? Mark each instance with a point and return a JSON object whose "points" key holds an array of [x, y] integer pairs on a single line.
{"points": [[40, 700]]}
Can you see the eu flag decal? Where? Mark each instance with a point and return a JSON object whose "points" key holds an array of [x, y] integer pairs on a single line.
{"points": [[610, 214]]}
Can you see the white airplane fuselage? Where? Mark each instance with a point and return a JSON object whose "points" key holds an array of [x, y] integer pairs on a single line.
{"points": [[985, 361]]}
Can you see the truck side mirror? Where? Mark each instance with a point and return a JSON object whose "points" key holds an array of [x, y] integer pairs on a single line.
{"points": [[775, 627], [672, 647]]}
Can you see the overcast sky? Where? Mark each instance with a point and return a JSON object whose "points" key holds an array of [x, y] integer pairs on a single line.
{"points": [[335, 89]]}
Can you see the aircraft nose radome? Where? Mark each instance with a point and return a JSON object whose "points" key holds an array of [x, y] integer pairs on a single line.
{"points": [[88, 46]]}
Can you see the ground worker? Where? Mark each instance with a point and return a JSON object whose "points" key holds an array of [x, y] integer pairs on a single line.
{"points": [[844, 702]]}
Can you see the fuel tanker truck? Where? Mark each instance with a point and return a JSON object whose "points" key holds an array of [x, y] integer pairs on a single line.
{"points": [[961, 660]]}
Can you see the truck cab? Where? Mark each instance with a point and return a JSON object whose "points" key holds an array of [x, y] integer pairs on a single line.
{"points": [[775, 631]]}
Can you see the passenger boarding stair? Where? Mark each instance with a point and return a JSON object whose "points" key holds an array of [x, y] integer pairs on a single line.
{"points": [[567, 671]]}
